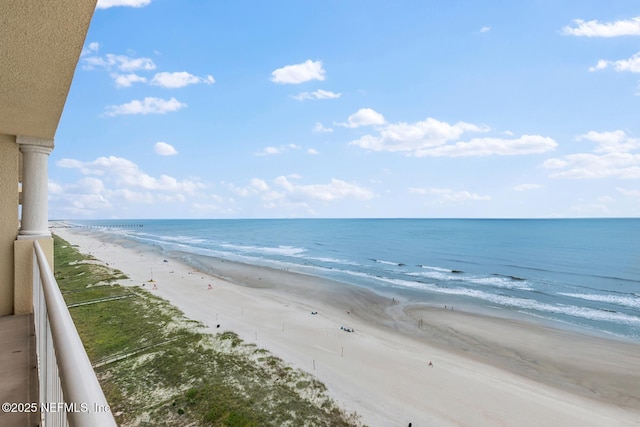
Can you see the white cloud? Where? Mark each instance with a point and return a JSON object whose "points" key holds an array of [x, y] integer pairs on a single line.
{"points": [[527, 187], [318, 94], [148, 105], [432, 138], [54, 188], [114, 184], [259, 184], [481, 147], [299, 73], [594, 28], [591, 166], [75, 200], [628, 192], [171, 198], [131, 64], [612, 157], [164, 149], [447, 195], [126, 65], [120, 62], [91, 48], [217, 198], [285, 193], [105, 4], [319, 128], [485, 29], [134, 196], [268, 151], [241, 191], [90, 185], [179, 79], [126, 80], [363, 117], [600, 65], [611, 142], [126, 174], [313, 151], [605, 199], [631, 64], [334, 190]]}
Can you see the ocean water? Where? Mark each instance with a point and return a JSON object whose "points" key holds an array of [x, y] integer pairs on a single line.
{"points": [[578, 273]]}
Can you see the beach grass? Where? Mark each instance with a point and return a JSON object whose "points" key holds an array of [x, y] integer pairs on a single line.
{"points": [[159, 368]]}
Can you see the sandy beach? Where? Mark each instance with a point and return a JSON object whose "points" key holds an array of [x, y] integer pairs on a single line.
{"points": [[404, 362]]}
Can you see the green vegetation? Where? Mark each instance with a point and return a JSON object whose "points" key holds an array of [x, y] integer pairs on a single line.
{"points": [[158, 368]]}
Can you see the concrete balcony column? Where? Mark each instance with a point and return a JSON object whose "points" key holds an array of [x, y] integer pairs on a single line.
{"points": [[34, 221], [35, 156]]}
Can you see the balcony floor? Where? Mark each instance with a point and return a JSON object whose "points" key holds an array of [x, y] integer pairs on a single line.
{"points": [[18, 373]]}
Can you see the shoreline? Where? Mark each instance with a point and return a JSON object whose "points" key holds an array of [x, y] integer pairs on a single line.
{"points": [[211, 265], [487, 370]]}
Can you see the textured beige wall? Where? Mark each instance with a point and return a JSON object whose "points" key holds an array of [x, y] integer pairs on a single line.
{"points": [[23, 250], [23, 292], [8, 219], [40, 43]]}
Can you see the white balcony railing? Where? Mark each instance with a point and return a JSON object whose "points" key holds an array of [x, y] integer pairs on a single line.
{"points": [[69, 393]]}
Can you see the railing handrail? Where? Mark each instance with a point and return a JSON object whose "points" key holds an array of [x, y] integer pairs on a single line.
{"points": [[79, 383]]}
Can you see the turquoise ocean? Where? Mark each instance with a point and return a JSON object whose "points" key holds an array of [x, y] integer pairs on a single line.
{"points": [[578, 273]]}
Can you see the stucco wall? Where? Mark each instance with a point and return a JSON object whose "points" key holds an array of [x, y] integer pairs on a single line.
{"points": [[23, 253], [8, 219]]}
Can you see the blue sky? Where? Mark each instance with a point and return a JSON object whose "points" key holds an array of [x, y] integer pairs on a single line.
{"points": [[333, 108]]}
